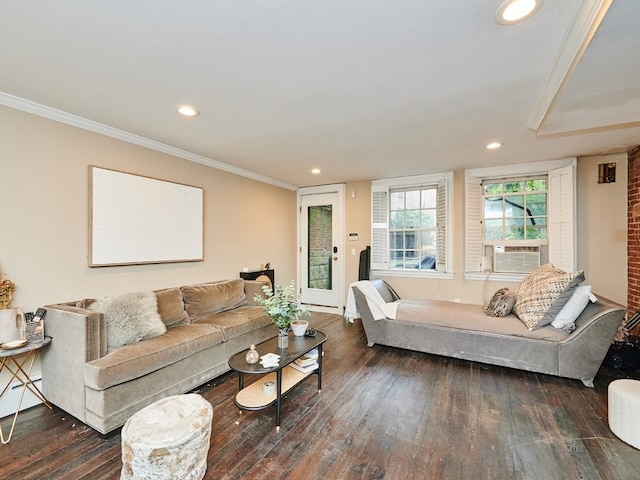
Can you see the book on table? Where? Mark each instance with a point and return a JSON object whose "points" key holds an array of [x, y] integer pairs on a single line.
{"points": [[308, 358], [306, 368]]}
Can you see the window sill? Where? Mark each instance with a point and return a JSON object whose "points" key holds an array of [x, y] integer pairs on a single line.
{"points": [[413, 274], [495, 277]]}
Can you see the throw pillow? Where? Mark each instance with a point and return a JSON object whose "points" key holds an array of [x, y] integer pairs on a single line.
{"points": [[171, 307], [207, 299], [130, 318], [543, 293], [566, 317], [501, 303]]}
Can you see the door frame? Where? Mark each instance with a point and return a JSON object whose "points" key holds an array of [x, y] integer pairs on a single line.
{"points": [[339, 189]]}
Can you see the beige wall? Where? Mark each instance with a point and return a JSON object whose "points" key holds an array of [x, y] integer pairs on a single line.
{"points": [[357, 220], [43, 245], [601, 226]]}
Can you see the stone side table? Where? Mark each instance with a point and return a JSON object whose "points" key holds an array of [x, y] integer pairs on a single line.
{"points": [[168, 439]]}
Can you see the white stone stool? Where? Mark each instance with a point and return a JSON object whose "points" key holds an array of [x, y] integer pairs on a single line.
{"points": [[624, 410], [168, 439]]}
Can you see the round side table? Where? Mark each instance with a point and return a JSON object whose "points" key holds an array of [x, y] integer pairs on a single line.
{"points": [[20, 369]]}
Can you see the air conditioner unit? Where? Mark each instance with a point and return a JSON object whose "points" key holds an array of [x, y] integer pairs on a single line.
{"points": [[515, 259]]}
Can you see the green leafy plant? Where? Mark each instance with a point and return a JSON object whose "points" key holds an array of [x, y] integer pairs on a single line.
{"points": [[282, 306]]}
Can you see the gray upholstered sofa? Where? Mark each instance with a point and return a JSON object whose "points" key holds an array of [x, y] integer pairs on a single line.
{"points": [[103, 386], [465, 331]]}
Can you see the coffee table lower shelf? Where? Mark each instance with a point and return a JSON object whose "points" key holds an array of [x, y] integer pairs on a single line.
{"points": [[253, 397]]}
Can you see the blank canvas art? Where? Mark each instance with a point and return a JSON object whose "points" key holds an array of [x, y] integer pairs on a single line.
{"points": [[135, 219]]}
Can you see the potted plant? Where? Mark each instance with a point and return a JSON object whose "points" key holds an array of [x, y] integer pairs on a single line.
{"points": [[283, 307]]}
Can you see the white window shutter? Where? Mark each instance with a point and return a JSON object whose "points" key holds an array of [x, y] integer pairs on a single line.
{"points": [[441, 256], [473, 240], [561, 217], [379, 227]]}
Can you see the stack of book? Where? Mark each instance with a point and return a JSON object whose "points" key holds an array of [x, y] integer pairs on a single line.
{"points": [[306, 363]]}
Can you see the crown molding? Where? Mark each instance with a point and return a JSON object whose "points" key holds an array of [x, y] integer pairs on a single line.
{"points": [[588, 19], [76, 121]]}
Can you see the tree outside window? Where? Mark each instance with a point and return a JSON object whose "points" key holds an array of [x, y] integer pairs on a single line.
{"points": [[515, 210]]}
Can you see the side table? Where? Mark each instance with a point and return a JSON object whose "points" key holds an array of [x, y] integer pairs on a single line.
{"points": [[20, 368]]}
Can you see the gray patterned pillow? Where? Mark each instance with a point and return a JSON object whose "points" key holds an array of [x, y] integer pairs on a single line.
{"points": [[501, 303], [543, 294]]}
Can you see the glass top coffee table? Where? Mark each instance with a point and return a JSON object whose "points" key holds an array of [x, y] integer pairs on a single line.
{"points": [[285, 377]]}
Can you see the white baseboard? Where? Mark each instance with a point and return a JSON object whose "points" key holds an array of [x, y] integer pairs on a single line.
{"points": [[10, 399], [323, 309]]}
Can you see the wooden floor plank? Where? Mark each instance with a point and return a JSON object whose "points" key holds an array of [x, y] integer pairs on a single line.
{"points": [[383, 413]]}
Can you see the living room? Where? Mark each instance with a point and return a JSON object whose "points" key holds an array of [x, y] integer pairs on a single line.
{"points": [[250, 217]]}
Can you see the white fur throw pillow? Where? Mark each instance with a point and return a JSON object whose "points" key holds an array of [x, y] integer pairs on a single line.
{"points": [[130, 317]]}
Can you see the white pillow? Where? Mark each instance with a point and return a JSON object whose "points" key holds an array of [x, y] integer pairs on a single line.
{"points": [[573, 308], [130, 317]]}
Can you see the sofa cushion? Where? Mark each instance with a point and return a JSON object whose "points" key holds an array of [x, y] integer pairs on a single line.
{"points": [[466, 317], [543, 293], [238, 321], [210, 298], [130, 317], [138, 359], [171, 307], [501, 304]]}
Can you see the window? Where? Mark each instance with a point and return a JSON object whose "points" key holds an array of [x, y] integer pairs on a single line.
{"points": [[409, 224], [520, 216], [515, 210], [413, 228]]}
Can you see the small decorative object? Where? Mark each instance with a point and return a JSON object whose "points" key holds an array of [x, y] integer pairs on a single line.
{"points": [[252, 355], [283, 307], [299, 327], [7, 287], [270, 360], [269, 388], [12, 325], [14, 344]]}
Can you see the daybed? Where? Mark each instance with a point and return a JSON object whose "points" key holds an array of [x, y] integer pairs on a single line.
{"points": [[465, 331], [91, 374]]}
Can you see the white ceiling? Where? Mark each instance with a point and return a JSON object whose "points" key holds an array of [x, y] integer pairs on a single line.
{"points": [[359, 88]]}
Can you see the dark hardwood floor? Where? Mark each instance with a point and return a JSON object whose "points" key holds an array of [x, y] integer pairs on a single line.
{"points": [[383, 413]]}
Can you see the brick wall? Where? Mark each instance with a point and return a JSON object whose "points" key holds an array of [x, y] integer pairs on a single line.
{"points": [[633, 233]]}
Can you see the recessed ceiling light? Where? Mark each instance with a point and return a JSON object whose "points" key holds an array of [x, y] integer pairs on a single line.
{"points": [[515, 11], [494, 145], [315, 171], [187, 111]]}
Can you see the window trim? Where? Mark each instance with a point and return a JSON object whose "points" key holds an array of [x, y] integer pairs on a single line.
{"points": [[444, 181], [566, 218]]}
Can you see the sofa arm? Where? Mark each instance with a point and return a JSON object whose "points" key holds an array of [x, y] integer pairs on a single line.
{"points": [[253, 288], [78, 336], [582, 352]]}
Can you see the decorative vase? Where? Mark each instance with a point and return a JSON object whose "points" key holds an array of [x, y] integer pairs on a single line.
{"points": [[252, 355], [283, 338]]}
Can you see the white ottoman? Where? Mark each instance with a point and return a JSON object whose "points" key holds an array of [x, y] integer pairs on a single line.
{"points": [[168, 439], [624, 410]]}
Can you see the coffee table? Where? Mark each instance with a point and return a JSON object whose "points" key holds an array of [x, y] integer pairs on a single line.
{"points": [[286, 377]]}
